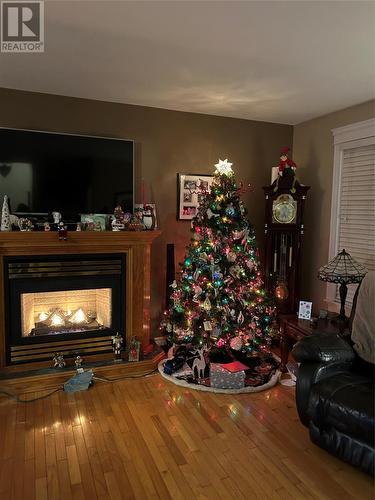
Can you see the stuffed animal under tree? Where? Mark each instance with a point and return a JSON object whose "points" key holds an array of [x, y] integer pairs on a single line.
{"points": [[220, 299]]}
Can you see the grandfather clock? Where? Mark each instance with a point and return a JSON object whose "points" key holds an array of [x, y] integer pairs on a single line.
{"points": [[284, 228]]}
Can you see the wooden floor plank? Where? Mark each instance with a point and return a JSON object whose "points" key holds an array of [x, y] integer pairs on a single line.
{"points": [[147, 439]]}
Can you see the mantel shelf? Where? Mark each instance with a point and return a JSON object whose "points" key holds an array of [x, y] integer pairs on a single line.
{"points": [[34, 242]]}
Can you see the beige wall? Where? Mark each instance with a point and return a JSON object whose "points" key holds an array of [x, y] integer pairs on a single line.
{"points": [[167, 142], [313, 153]]}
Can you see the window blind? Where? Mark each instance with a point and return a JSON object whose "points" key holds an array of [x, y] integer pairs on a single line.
{"points": [[356, 230]]}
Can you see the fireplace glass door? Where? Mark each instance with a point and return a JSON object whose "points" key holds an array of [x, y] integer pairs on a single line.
{"points": [[66, 303], [66, 312]]}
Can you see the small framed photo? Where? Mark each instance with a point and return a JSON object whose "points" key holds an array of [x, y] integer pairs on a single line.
{"points": [[304, 311], [94, 222], [191, 189]]}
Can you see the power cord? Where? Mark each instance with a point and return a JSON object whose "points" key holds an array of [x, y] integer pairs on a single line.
{"points": [[95, 377], [106, 379], [20, 400]]}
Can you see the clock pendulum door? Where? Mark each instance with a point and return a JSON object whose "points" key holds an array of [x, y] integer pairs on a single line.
{"points": [[281, 289]]}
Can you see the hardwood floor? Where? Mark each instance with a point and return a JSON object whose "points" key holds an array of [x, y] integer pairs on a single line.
{"points": [[146, 438]]}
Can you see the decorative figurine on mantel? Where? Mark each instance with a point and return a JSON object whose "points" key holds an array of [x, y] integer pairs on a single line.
{"points": [[79, 227], [46, 226], [118, 223], [5, 216], [56, 217], [58, 360], [149, 219], [117, 346], [25, 224], [63, 231]]}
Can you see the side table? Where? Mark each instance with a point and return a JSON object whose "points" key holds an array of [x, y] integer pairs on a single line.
{"points": [[293, 329]]}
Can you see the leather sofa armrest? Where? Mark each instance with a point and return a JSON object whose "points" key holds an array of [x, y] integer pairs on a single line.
{"points": [[308, 374], [323, 348]]}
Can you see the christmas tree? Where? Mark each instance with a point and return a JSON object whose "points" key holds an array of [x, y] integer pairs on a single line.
{"points": [[220, 299]]}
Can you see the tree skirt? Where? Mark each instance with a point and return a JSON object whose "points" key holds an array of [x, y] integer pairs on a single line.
{"points": [[177, 378]]}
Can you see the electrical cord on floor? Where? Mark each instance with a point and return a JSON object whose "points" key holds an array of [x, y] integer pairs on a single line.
{"points": [[20, 400], [95, 377], [124, 377]]}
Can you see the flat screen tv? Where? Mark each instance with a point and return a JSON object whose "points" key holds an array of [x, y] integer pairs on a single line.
{"points": [[44, 172]]}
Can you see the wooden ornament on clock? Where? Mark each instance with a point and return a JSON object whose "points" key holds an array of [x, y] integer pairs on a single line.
{"points": [[284, 229]]}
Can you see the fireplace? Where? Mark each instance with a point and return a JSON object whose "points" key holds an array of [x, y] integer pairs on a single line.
{"points": [[66, 303]]}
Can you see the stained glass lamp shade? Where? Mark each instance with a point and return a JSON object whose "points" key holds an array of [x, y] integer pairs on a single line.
{"points": [[343, 270]]}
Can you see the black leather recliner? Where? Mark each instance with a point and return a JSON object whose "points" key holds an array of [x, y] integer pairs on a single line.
{"points": [[335, 384], [335, 398]]}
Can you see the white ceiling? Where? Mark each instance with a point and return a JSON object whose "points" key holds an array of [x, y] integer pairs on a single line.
{"points": [[280, 61]]}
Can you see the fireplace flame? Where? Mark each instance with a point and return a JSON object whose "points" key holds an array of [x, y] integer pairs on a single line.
{"points": [[57, 320], [79, 317], [43, 316]]}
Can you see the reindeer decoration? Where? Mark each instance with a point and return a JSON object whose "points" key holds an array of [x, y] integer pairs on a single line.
{"points": [[199, 362]]}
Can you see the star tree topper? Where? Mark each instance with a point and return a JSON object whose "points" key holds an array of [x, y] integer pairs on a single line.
{"points": [[224, 167]]}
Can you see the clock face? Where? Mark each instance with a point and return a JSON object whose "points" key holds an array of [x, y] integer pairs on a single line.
{"points": [[284, 209]]}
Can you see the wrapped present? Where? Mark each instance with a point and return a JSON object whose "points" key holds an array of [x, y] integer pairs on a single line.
{"points": [[223, 379]]}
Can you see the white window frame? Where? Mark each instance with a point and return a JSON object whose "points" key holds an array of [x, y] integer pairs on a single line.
{"points": [[350, 136]]}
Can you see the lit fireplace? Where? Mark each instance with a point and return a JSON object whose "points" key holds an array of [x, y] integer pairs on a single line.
{"points": [[63, 303], [64, 312]]}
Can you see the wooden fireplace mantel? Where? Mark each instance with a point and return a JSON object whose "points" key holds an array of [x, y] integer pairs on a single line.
{"points": [[135, 244]]}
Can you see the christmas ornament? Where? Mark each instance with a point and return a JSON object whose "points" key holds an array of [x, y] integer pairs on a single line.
{"points": [[206, 304], [240, 318], [237, 235], [231, 256], [230, 210], [236, 343]]}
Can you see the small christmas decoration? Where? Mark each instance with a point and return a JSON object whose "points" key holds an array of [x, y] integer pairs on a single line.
{"points": [[56, 217], [149, 219], [25, 224], [5, 216], [78, 362], [134, 349], [46, 227], [117, 343], [79, 226], [62, 231], [58, 360], [286, 170], [120, 219], [199, 363]]}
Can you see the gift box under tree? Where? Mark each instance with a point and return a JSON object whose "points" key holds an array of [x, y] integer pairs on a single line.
{"points": [[220, 378]]}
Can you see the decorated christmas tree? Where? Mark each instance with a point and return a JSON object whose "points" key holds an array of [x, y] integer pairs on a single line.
{"points": [[220, 300]]}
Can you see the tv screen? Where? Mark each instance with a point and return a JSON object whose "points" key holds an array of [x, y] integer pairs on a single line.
{"points": [[45, 172]]}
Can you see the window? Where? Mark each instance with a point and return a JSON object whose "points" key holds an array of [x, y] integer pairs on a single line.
{"points": [[353, 198]]}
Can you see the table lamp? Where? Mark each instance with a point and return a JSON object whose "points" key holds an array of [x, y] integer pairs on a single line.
{"points": [[343, 269]]}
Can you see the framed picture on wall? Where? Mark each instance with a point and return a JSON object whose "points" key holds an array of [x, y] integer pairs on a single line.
{"points": [[190, 189]]}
